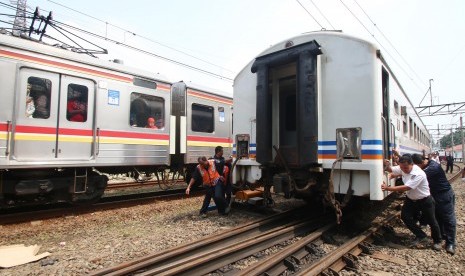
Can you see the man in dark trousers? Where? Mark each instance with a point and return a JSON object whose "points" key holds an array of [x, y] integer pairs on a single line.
{"points": [[444, 196], [418, 199], [221, 163], [450, 163]]}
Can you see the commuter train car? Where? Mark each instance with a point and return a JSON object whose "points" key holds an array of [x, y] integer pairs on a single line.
{"points": [[317, 114], [67, 120]]}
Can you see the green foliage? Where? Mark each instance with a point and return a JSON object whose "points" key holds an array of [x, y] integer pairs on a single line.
{"points": [[446, 141]]}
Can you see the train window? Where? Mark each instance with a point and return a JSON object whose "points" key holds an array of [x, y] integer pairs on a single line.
{"points": [[291, 114], [147, 111], [396, 107], [221, 113], [76, 108], [145, 83], [411, 127], [38, 96], [202, 118]]}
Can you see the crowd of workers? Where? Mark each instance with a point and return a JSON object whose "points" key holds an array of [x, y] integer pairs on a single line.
{"points": [[430, 199]]}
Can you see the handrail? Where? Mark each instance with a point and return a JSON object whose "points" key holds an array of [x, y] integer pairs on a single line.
{"points": [[8, 130], [97, 147]]}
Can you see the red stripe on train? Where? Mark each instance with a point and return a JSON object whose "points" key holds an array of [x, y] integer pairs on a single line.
{"points": [[121, 134], [69, 66], [86, 132], [208, 96]]}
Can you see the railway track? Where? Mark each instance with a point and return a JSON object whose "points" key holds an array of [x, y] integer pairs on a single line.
{"points": [[296, 257], [302, 254], [296, 236], [215, 252], [164, 180], [59, 210]]}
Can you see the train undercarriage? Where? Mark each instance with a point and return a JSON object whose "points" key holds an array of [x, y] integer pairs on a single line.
{"points": [[31, 187]]}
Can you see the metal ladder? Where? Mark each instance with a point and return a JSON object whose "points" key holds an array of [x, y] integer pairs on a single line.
{"points": [[80, 181]]}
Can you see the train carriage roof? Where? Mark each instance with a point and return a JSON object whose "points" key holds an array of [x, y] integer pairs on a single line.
{"points": [[306, 37], [52, 51]]}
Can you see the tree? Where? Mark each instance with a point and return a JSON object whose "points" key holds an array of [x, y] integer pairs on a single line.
{"points": [[446, 141]]}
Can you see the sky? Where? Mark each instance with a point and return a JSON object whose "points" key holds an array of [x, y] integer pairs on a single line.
{"points": [[420, 39]]}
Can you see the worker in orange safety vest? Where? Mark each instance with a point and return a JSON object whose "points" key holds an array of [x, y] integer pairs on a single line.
{"points": [[213, 183]]}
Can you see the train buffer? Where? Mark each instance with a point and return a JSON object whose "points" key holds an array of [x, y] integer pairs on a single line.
{"points": [[254, 197]]}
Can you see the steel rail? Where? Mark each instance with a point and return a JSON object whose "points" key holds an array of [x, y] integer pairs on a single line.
{"points": [[197, 254], [274, 265], [215, 259], [106, 203], [336, 255]]}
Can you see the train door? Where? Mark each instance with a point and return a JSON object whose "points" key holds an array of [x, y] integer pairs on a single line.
{"points": [[34, 127], [286, 125], [76, 119], [385, 114], [178, 124], [43, 129], [287, 111]]}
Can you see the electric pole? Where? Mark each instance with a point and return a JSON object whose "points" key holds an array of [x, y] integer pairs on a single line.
{"points": [[19, 25], [461, 135]]}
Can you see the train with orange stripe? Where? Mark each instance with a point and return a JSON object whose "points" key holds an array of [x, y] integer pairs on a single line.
{"points": [[67, 120], [316, 115]]}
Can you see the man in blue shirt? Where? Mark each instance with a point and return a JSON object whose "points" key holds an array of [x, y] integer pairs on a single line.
{"points": [[444, 196]]}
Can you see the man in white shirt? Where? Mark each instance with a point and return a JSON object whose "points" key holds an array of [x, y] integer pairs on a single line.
{"points": [[418, 199], [436, 158]]}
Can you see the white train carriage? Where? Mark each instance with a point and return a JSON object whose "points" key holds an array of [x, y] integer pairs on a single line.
{"points": [[66, 118], [315, 99]]}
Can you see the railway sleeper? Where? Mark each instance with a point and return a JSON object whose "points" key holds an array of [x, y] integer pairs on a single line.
{"points": [[350, 260], [367, 248], [292, 263]]}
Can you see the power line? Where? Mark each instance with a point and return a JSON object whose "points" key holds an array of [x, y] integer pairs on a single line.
{"points": [[147, 52], [380, 44], [309, 14], [57, 25], [392, 45], [143, 37], [322, 15]]}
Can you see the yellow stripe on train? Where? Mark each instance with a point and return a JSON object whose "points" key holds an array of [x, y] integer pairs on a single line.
{"points": [[207, 144]]}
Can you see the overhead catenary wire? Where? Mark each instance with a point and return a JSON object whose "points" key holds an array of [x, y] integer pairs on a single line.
{"points": [[321, 26], [389, 41], [143, 37], [149, 53], [322, 14], [191, 67], [384, 48]]}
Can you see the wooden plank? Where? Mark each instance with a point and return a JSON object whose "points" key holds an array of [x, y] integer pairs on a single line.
{"points": [[385, 257]]}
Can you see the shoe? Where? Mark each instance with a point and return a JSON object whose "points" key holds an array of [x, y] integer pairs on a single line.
{"points": [[417, 241], [437, 246], [227, 209], [202, 215], [450, 249]]}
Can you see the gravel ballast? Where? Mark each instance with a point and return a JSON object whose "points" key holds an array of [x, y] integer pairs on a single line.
{"points": [[86, 243]]}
